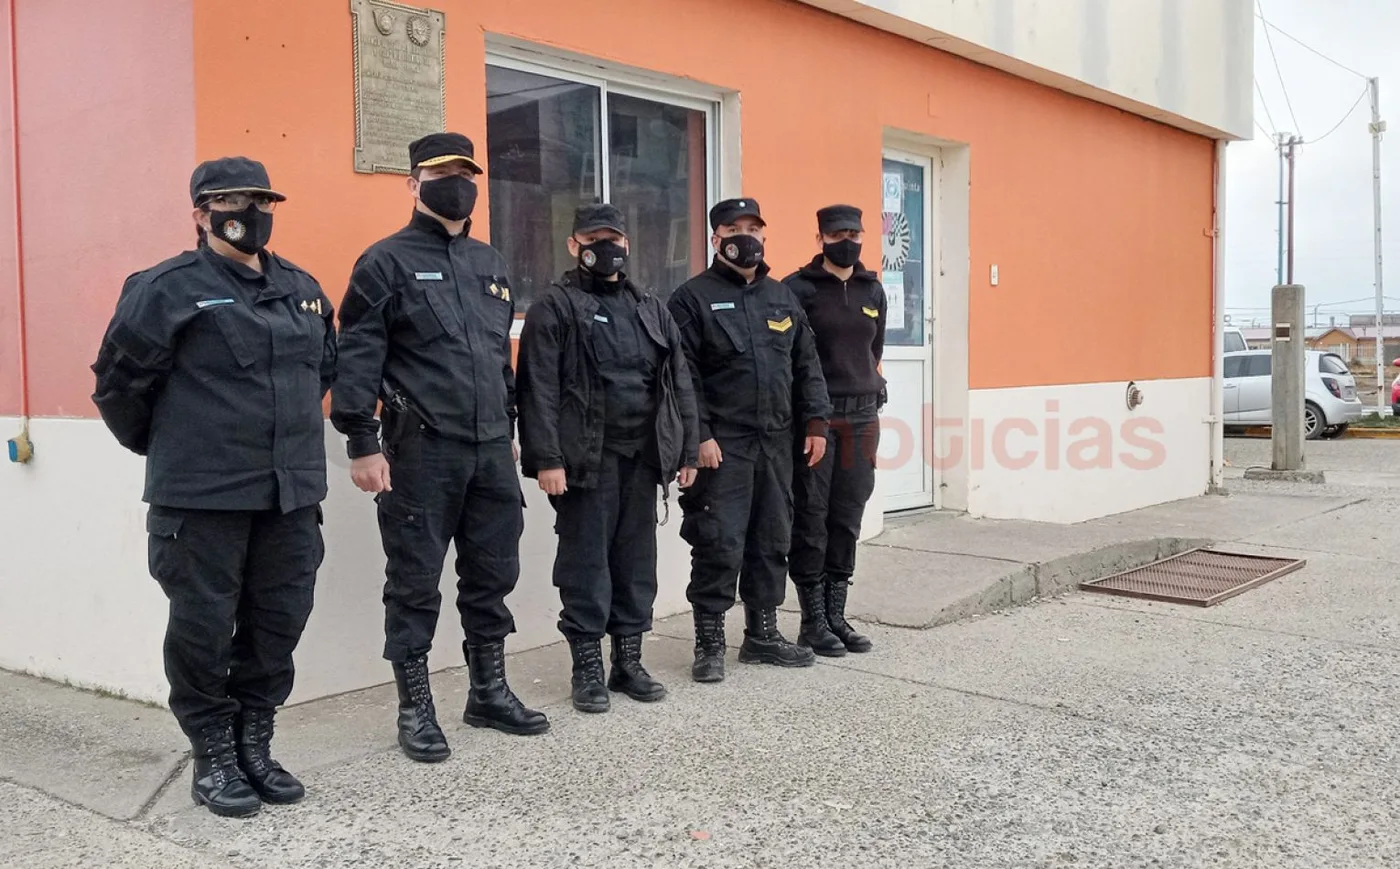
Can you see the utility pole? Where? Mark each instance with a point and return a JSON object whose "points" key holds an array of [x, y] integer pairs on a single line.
{"points": [[1377, 128], [1281, 139], [1293, 142]]}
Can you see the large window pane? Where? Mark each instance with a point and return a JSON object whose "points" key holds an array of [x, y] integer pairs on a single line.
{"points": [[656, 168], [542, 143], [902, 254]]}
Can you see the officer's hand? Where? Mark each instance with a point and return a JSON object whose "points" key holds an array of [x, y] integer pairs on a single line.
{"points": [[515, 451], [687, 477], [552, 482], [814, 450], [371, 473], [710, 456]]}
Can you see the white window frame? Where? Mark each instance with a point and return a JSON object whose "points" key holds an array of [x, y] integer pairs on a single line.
{"points": [[611, 78]]}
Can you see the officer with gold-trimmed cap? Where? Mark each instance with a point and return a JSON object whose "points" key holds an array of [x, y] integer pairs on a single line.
{"points": [[425, 330], [214, 368]]}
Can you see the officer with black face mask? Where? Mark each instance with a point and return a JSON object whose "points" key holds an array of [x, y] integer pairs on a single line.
{"points": [[758, 384], [845, 304], [606, 415], [214, 367], [425, 328]]}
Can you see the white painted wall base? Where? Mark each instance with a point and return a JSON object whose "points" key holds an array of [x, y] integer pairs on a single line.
{"points": [[77, 602], [1070, 453]]}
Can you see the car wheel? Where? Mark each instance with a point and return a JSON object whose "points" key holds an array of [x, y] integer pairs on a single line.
{"points": [[1313, 421]]}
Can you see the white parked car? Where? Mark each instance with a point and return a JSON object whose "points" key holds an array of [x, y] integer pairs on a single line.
{"points": [[1234, 340], [1330, 392]]}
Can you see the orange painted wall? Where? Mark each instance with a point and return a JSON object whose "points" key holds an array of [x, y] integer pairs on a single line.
{"points": [[106, 144], [9, 301], [1096, 218]]}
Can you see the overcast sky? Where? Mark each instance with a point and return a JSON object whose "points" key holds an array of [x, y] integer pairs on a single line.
{"points": [[1333, 228]]}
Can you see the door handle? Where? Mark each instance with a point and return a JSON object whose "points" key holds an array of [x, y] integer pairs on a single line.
{"points": [[1231, 385]]}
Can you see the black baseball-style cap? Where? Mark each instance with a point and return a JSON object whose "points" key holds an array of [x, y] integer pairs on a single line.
{"points": [[727, 212], [435, 149], [835, 218], [230, 175], [599, 215]]}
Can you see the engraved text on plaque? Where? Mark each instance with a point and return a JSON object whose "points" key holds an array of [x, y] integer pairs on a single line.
{"points": [[398, 81]]}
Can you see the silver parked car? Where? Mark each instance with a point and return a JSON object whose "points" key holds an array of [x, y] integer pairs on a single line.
{"points": [[1330, 392]]}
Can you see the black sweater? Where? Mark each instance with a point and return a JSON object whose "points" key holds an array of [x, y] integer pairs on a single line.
{"points": [[848, 318]]}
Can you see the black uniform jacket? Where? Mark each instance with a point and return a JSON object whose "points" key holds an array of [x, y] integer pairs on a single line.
{"points": [[426, 318], [752, 355], [848, 319], [216, 374], [562, 413]]}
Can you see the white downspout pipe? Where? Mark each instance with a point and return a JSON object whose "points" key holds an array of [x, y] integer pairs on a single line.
{"points": [[1217, 376]]}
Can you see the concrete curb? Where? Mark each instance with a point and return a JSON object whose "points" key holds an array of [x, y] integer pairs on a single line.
{"points": [[1060, 575]]}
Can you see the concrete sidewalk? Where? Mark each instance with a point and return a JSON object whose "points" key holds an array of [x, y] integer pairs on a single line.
{"points": [[1075, 730]]}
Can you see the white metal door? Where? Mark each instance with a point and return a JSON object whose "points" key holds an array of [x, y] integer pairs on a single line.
{"points": [[907, 254]]}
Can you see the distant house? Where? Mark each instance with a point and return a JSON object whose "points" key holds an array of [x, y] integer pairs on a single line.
{"points": [[1337, 340], [1366, 343]]}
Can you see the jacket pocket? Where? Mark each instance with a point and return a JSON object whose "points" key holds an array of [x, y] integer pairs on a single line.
{"points": [[498, 321], [733, 333], [781, 327], [241, 352]]}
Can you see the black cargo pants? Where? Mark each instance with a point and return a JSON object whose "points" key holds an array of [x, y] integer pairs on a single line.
{"points": [[738, 522], [830, 499], [240, 585], [605, 566], [445, 492]]}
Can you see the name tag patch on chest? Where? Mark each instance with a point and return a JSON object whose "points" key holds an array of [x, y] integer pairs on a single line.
{"points": [[721, 306], [872, 313], [428, 276], [780, 325], [600, 318], [209, 303]]}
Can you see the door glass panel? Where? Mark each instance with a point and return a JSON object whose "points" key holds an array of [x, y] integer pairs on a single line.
{"points": [[656, 176], [543, 147], [902, 228]]}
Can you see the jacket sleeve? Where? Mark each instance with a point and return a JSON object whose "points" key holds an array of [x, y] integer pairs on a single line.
{"points": [[688, 325], [814, 404], [512, 408], [685, 393], [363, 344], [330, 345], [537, 386], [135, 358]]}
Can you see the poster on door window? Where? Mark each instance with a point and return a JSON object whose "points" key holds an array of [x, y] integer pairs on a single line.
{"points": [[894, 300], [894, 192]]}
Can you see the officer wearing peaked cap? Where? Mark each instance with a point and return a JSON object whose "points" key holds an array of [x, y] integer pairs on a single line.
{"points": [[845, 303], [425, 329], [596, 337], [214, 368], [758, 385]]}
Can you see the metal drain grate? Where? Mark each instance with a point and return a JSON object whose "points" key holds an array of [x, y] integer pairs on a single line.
{"points": [[1200, 577]]}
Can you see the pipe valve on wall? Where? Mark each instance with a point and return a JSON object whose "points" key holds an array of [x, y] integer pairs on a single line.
{"points": [[21, 449]]}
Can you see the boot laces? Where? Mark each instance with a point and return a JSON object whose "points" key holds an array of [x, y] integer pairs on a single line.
{"points": [[590, 661], [218, 744], [709, 635]]}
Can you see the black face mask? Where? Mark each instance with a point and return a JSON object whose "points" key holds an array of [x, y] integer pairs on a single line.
{"points": [[452, 197], [843, 254], [744, 251], [248, 230], [603, 258]]}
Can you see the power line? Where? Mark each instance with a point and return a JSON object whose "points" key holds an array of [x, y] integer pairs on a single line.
{"points": [[1260, 6], [1281, 32], [1364, 93], [1273, 128]]}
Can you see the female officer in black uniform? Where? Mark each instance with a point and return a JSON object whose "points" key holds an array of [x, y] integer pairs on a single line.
{"points": [[214, 368], [845, 304]]}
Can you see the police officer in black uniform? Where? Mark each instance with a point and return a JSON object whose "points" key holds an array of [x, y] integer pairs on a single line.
{"points": [[214, 367], [607, 414], [845, 303], [758, 385], [425, 327]]}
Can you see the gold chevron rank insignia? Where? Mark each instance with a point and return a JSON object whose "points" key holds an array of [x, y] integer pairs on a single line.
{"points": [[872, 313], [780, 325]]}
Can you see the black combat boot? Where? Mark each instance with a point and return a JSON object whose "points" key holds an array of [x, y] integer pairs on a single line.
{"points": [[816, 633], [709, 648], [628, 674], [490, 702], [218, 782], [763, 644], [420, 737], [590, 695], [836, 616], [273, 783]]}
